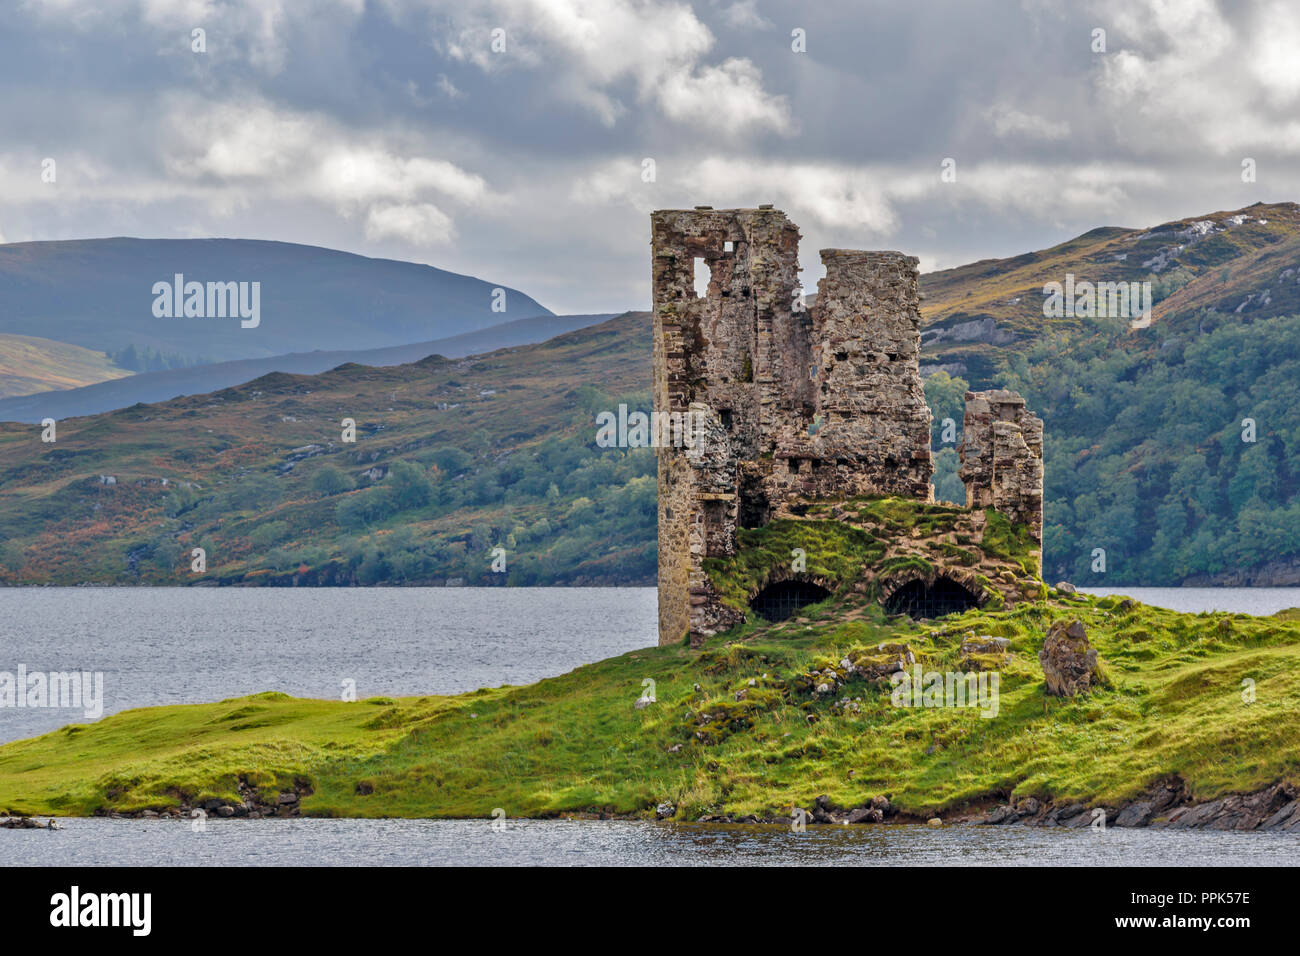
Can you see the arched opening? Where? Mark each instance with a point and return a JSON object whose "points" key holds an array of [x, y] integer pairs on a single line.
{"points": [[781, 599], [918, 599]]}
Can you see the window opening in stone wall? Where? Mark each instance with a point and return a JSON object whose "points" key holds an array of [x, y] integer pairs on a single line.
{"points": [[702, 275]]}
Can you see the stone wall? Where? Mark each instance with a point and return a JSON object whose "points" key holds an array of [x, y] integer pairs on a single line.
{"points": [[1002, 457]]}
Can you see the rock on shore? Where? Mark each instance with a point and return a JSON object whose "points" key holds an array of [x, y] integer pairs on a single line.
{"points": [[1166, 806]]}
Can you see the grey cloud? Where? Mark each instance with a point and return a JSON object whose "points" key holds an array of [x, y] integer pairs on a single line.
{"points": [[527, 170]]}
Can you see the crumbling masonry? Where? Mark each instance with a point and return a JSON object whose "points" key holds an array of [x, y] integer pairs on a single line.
{"points": [[799, 403]]}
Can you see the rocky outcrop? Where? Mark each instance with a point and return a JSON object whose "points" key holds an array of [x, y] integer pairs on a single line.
{"points": [[254, 803], [983, 329], [1166, 805], [29, 823], [1069, 662], [824, 811], [865, 664], [984, 644]]}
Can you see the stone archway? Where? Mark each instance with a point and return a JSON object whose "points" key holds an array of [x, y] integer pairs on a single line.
{"points": [[780, 600], [932, 596]]}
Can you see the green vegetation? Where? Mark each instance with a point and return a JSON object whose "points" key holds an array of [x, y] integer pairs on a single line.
{"points": [[1148, 453], [834, 553], [753, 738]]}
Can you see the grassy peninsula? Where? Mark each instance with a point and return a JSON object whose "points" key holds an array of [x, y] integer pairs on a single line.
{"points": [[737, 728]]}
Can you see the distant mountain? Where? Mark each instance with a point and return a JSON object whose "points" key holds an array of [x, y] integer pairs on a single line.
{"points": [[160, 386], [29, 364], [100, 294]]}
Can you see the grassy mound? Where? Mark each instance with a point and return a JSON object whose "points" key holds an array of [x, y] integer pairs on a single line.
{"points": [[737, 728]]}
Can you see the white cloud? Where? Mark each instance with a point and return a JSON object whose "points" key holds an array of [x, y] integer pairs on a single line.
{"points": [[447, 88], [1183, 75], [258, 148], [422, 224], [254, 31], [744, 15], [592, 47], [864, 200]]}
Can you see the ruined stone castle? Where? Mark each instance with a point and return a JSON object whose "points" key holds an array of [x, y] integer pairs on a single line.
{"points": [[801, 403]]}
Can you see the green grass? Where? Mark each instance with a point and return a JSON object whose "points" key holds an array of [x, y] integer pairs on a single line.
{"points": [[576, 743]]}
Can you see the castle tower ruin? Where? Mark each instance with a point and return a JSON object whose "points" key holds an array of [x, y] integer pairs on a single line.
{"points": [[793, 403]]}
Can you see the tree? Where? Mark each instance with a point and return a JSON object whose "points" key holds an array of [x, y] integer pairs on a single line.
{"points": [[331, 480], [407, 486]]}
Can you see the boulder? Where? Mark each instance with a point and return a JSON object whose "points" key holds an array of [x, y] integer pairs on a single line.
{"points": [[1068, 812], [1136, 814], [1069, 662], [1065, 587], [879, 663], [1001, 814], [22, 823], [984, 644], [865, 815]]}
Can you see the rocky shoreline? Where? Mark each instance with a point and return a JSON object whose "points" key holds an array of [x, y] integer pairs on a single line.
{"points": [[1165, 806], [255, 803]]}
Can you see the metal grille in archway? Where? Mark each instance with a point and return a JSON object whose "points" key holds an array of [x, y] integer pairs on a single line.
{"points": [[782, 599], [917, 599]]}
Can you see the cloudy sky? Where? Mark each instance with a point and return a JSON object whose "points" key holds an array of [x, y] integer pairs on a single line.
{"points": [[401, 128]]}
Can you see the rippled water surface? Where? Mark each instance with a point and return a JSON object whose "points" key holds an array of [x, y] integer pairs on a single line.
{"points": [[1195, 600], [590, 843], [190, 645]]}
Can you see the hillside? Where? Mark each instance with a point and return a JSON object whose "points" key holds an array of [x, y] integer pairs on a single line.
{"points": [[767, 717], [98, 293], [452, 458], [1235, 262], [1147, 457], [31, 364], [159, 386]]}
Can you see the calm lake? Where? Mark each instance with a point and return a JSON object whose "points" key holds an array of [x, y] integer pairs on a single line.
{"points": [[169, 646]]}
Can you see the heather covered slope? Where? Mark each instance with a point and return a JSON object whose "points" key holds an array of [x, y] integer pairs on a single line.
{"points": [[978, 316]]}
